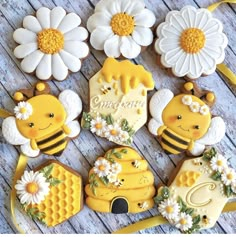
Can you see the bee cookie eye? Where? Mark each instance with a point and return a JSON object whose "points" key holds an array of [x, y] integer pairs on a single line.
{"points": [[109, 88], [31, 125], [51, 115], [179, 117], [122, 180], [196, 126]]}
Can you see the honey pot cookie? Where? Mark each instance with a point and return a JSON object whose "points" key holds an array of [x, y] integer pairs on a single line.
{"points": [[191, 42], [184, 122], [118, 101], [120, 182], [43, 122], [51, 44], [121, 28]]}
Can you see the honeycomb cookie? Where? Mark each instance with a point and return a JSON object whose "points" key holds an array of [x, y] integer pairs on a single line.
{"points": [[197, 192], [118, 101], [191, 42], [42, 122], [184, 122], [120, 182], [121, 28], [51, 194], [51, 44]]}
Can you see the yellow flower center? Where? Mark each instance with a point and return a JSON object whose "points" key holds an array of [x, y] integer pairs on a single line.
{"points": [[219, 163], [192, 40], [23, 110], [32, 188], [169, 209], [113, 132], [50, 41], [122, 24], [230, 176], [183, 221], [98, 126], [101, 167]]}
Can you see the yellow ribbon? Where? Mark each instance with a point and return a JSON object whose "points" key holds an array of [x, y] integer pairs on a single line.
{"points": [[212, 7], [230, 206], [18, 173], [4, 113]]}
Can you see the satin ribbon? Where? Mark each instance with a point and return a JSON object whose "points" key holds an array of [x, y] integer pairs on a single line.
{"points": [[4, 113], [212, 7], [22, 162]]}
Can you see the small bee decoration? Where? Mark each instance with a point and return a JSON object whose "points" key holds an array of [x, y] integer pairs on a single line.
{"points": [[184, 122], [42, 122], [136, 164], [105, 89]]}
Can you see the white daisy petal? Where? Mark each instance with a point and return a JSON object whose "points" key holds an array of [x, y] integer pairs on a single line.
{"points": [[216, 39], [112, 46], [97, 39], [59, 69], [19, 187], [142, 36], [56, 16], [166, 44], [69, 22], [23, 50], [43, 16], [135, 7], [24, 36], [179, 68], [77, 48], [78, 33], [31, 23], [202, 17], [145, 18], [98, 19], [179, 22], [72, 62], [44, 69], [208, 61], [25, 198], [108, 7], [129, 48], [213, 25], [30, 62]]}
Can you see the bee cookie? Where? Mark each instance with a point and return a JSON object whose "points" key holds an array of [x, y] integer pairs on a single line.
{"points": [[191, 42], [184, 122], [198, 192], [120, 182], [51, 194], [43, 122], [118, 101], [51, 44]]}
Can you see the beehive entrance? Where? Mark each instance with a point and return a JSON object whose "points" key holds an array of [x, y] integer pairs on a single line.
{"points": [[119, 205]]}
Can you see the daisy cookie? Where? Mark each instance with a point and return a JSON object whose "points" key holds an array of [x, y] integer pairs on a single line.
{"points": [[120, 182], [41, 122], [118, 101], [198, 192], [121, 27], [52, 194], [51, 44], [191, 42]]}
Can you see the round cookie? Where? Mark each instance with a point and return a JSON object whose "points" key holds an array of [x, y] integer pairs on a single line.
{"points": [[120, 182], [121, 28], [51, 43], [191, 42], [43, 122]]}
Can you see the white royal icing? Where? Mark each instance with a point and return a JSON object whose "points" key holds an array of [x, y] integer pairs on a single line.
{"points": [[73, 63], [28, 151], [21, 51], [56, 16], [59, 69], [74, 128], [69, 22], [44, 69], [24, 36], [43, 16], [31, 23]]}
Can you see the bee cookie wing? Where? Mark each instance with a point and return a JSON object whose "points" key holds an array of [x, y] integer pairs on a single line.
{"points": [[74, 128], [28, 151], [197, 149], [153, 126], [72, 104]]}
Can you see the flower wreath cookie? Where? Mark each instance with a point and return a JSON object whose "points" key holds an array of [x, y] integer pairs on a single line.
{"points": [[42, 122], [184, 122], [121, 28], [51, 44]]}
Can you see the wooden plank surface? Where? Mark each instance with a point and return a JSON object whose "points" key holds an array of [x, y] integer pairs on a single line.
{"points": [[82, 152]]}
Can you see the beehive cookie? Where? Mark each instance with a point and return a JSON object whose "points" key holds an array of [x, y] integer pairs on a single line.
{"points": [[51, 44], [120, 182], [52, 194], [198, 192], [42, 122], [191, 42], [118, 101]]}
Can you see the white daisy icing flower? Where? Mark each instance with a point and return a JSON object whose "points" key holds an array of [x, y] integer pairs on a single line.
{"points": [[98, 126], [184, 221], [112, 177], [194, 107], [23, 110], [191, 42], [169, 208], [187, 100], [218, 163], [116, 168], [113, 132], [204, 110], [32, 188], [51, 43], [121, 27], [102, 167], [124, 136], [228, 176]]}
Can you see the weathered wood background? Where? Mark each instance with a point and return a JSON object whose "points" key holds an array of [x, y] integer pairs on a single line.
{"points": [[82, 152]]}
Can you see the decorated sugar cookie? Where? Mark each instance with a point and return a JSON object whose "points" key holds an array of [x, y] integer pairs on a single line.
{"points": [[198, 193], [191, 42], [120, 182], [43, 122], [52, 194], [118, 101], [51, 44], [121, 28], [184, 122]]}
